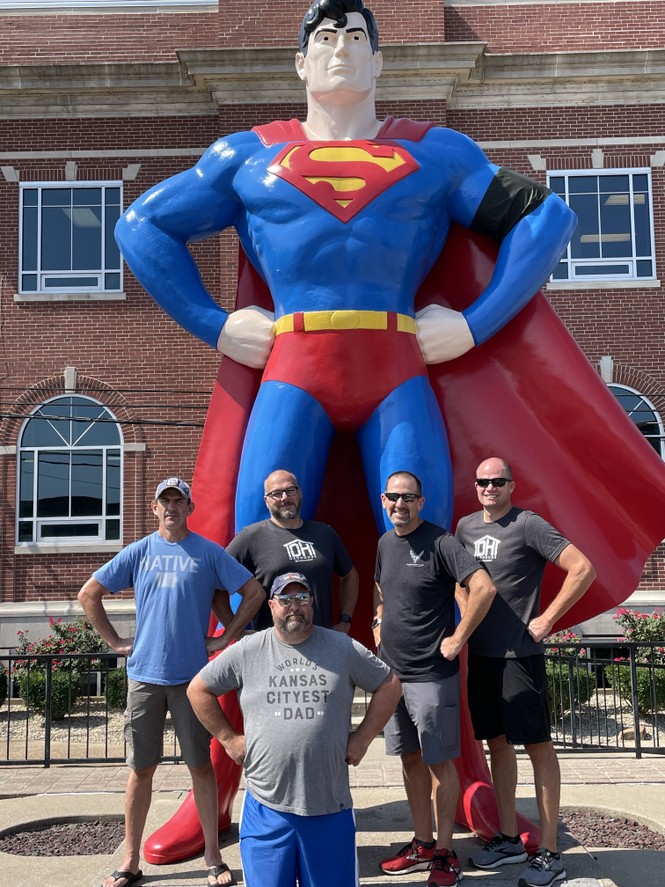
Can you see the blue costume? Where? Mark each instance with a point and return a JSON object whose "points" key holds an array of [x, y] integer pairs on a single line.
{"points": [[344, 233]]}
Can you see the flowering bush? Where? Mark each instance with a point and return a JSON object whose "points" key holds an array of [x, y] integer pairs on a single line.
{"points": [[648, 627], [77, 636], [650, 674]]}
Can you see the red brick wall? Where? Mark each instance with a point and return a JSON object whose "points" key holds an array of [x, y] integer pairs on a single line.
{"points": [[549, 27]]}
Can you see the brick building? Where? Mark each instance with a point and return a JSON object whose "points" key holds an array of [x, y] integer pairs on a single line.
{"points": [[100, 99]]}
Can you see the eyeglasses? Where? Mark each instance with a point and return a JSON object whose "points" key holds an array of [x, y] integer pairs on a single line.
{"points": [[495, 481], [279, 494], [405, 497], [301, 598]]}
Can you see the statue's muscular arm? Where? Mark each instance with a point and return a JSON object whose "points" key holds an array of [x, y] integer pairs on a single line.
{"points": [[532, 227], [154, 233]]}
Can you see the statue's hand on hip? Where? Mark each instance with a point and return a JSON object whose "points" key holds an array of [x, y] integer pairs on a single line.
{"points": [[247, 336], [443, 334]]}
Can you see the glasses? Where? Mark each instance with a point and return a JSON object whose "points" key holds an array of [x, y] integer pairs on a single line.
{"points": [[301, 598], [289, 492], [405, 497], [495, 481]]}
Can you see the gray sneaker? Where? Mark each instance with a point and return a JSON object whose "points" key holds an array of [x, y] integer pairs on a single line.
{"points": [[497, 852], [543, 869]]}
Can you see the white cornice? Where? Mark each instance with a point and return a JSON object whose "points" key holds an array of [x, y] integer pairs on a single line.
{"points": [[462, 74]]}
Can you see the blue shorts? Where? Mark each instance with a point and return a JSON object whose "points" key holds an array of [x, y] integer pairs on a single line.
{"points": [[426, 718], [276, 848]]}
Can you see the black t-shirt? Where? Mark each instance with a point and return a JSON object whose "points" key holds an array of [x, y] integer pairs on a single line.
{"points": [[314, 549], [417, 575]]}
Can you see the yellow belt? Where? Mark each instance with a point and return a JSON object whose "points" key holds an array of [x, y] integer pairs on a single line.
{"points": [[312, 321]]}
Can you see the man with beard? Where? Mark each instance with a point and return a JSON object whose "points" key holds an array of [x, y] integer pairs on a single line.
{"points": [[287, 542], [295, 685], [417, 566]]}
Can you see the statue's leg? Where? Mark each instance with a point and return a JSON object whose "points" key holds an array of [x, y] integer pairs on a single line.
{"points": [[287, 429], [406, 432]]}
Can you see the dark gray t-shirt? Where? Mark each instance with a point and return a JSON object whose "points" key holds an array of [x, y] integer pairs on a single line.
{"points": [[296, 704], [417, 575], [315, 550], [514, 550]]}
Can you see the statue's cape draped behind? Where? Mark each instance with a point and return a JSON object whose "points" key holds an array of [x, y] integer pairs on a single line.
{"points": [[528, 395]]}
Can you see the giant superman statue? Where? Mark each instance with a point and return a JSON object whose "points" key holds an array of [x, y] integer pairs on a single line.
{"points": [[355, 332]]}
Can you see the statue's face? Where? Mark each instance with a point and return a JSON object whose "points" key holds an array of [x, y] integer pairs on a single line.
{"points": [[340, 61]]}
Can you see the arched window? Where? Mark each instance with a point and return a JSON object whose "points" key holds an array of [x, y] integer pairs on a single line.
{"points": [[643, 414], [70, 473]]}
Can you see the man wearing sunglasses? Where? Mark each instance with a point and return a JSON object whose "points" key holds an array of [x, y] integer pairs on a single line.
{"points": [[286, 541], [506, 677], [417, 566], [295, 685]]}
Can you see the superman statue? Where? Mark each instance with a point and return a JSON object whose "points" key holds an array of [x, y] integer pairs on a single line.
{"points": [[352, 320]]}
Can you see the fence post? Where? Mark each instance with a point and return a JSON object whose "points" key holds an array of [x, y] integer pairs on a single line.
{"points": [[47, 712], [636, 713]]}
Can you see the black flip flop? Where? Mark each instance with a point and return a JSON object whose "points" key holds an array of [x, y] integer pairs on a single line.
{"points": [[130, 877], [216, 870]]}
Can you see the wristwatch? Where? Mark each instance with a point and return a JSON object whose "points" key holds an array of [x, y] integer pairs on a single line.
{"points": [[376, 622], [344, 617]]}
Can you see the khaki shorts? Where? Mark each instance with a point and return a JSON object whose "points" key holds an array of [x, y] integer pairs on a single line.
{"points": [[145, 716]]}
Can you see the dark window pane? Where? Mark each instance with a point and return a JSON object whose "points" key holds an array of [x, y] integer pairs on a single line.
{"points": [[583, 185], [113, 197], [86, 483], [112, 530], [616, 240], [30, 222], [53, 485], [56, 240], [611, 184], [585, 243], [30, 197], [56, 197], [29, 283], [558, 185], [25, 531], [111, 251], [641, 212], [113, 483], [87, 196], [26, 485], [71, 282], [644, 268], [111, 281], [59, 531], [561, 271], [602, 270], [87, 240]]}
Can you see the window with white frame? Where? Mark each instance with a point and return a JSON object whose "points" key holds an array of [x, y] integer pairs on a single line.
{"points": [[67, 242], [69, 473], [643, 414], [614, 235]]}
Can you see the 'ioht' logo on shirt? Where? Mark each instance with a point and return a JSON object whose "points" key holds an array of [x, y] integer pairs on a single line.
{"points": [[299, 551], [487, 548]]}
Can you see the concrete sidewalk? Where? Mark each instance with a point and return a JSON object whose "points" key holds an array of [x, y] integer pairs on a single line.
{"points": [[605, 782]]}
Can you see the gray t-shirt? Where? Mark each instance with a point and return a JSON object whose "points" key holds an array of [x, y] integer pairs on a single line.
{"points": [[417, 574], [315, 550], [514, 550], [296, 702]]}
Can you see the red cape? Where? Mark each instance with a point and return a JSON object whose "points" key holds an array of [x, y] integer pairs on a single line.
{"points": [[528, 395]]}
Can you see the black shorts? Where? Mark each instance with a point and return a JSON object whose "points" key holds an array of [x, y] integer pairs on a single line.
{"points": [[508, 697]]}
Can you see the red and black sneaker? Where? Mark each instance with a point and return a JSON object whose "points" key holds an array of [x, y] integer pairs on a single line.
{"points": [[413, 857], [445, 871]]}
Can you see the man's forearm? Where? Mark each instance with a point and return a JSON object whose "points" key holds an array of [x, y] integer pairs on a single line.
{"points": [[253, 596], [382, 704]]}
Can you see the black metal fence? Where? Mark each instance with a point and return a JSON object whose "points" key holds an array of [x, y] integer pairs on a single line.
{"points": [[63, 709]]}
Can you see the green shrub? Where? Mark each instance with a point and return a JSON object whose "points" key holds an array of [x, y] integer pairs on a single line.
{"points": [[650, 685], [3, 685], [64, 690], [116, 688]]}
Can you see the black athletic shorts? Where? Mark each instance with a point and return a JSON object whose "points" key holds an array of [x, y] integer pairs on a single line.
{"points": [[509, 697]]}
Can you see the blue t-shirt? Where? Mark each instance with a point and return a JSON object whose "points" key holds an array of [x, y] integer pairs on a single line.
{"points": [[174, 584]]}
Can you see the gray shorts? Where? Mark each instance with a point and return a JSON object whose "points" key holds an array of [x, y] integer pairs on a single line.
{"points": [[145, 716], [426, 718]]}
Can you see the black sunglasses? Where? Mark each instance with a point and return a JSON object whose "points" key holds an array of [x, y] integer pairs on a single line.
{"points": [[405, 497], [495, 481]]}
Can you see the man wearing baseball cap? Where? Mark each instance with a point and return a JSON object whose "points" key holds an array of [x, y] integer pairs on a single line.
{"points": [[178, 577], [295, 684]]}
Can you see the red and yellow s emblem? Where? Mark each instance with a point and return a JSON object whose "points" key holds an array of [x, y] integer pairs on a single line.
{"points": [[343, 177]]}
